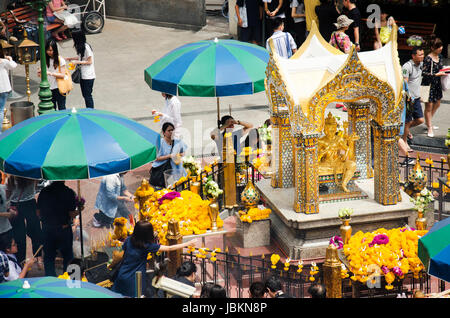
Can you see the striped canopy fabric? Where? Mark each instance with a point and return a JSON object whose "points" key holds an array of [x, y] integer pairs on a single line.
{"points": [[434, 250], [52, 287], [76, 144], [211, 68]]}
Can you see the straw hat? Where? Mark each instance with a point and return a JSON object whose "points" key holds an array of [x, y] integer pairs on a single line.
{"points": [[343, 21]]}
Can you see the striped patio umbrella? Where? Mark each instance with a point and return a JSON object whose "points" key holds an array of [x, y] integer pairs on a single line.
{"points": [[52, 287], [76, 144], [212, 68], [434, 250]]}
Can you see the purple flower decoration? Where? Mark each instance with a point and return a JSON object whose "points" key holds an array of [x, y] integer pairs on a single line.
{"points": [[379, 239], [169, 196], [385, 269], [397, 271], [337, 241]]}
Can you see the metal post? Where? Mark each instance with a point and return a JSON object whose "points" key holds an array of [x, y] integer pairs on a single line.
{"points": [[138, 284], [332, 273], [45, 94], [174, 237]]}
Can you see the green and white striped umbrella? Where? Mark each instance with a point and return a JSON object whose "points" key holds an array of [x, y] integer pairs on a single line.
{"points": [[212, 68], [76, 144]]}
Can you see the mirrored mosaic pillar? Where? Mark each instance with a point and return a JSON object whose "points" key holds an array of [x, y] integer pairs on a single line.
{"points": [[386, 171], [306, 174], [359, 122], [282, 150]]}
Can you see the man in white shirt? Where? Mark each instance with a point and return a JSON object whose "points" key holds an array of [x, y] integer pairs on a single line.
{"points": [[283, 42]]}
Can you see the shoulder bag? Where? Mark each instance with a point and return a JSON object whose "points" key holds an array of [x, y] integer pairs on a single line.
{"points": [[243, 15], [157, 174], [76, 75], [425, 89], [445, 80], [64, 84]]}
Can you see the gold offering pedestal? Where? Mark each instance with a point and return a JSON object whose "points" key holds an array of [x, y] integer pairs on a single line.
{"points": [[306, 236]]}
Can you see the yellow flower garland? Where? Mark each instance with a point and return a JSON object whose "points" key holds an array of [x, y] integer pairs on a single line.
{"points": [[189, 210], [398, 255], [254, 214]]}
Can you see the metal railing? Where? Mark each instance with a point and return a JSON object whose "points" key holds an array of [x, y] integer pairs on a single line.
{"points": [[236, 273]]}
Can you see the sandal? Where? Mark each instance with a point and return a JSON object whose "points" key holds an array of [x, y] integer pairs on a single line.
{"points": [[57, 38], [64, 36]]}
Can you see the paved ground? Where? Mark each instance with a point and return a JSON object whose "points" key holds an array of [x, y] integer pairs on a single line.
{"points": [[122, 51]]}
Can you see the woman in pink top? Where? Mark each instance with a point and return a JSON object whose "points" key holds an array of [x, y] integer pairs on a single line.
{"points": [[56, 6], [339, 39]]}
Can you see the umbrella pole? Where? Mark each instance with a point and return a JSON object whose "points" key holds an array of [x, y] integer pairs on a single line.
{"points": [[81, 223], [218, 113]]}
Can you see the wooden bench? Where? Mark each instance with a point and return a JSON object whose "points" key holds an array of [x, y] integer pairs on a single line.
{"points": [[421, 29], [13, 18]]}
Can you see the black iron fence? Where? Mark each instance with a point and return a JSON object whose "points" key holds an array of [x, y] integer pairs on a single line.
{"points": [[236, 273]]}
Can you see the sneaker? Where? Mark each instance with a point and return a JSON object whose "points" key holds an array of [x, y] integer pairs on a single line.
{"points": [[96, 223], [344, 109], [339, 105], [408, 161]]}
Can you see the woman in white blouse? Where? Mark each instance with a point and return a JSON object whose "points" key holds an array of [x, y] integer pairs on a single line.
{"points": [[171, 113], [85, 59], [6, 64], [56, 68]]}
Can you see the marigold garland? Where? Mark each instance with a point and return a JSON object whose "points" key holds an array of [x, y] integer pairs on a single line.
{"points": [[188, 209], [254, 214], [393, 251]]}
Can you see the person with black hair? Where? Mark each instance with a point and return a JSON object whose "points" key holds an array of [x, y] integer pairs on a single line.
{"points": [[9, 247], [56, 68], [169, 156], [432, 64], [252, 31], [136, 249], [186, 274], [412, 75], [227, 125], [274, 289], [217, 291], [57, 206], [353, 13], [257, 290], [327, 13], [26, 223], [317, 291], [273, 9], [85, 59], [283, 42], [206, 289], [299, 17], [110, 201]]}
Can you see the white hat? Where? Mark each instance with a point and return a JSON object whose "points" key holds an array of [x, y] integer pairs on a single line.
{"points": [[343, 21]]}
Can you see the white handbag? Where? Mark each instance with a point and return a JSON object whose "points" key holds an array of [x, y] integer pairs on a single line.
{"points": [[445, 81], [243, 15]]}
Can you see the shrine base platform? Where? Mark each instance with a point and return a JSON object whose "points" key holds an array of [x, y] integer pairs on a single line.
{"points": [[306, 236]]}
